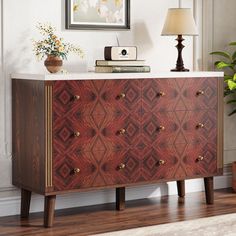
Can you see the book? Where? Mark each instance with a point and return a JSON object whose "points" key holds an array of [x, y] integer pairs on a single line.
{"points": [[122, 69], [120, 63]]}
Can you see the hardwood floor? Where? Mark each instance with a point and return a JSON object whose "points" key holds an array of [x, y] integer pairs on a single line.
{"points": [[138, 213]]}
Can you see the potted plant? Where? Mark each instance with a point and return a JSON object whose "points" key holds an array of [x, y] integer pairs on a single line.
{"points": [[53, 48], [228, 65]]}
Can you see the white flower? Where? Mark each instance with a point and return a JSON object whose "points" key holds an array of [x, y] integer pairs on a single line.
{"points": [[84, 6], [93, 3], [118, 15], [103, 11]]}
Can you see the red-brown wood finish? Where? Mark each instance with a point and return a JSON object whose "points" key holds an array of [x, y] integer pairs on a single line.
{"points": [[116, 133]]}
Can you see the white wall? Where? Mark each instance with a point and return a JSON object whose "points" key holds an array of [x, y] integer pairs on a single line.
{"points": [[20, 18], [220, 30]]}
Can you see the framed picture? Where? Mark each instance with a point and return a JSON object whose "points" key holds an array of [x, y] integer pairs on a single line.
{"points": [[97, 14]]}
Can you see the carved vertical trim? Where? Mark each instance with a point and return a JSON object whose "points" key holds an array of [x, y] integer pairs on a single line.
{"points": [[48, 136], [220, 125]]}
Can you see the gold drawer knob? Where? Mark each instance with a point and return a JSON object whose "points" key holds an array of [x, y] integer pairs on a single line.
{"points": [[200, 126], [76, 97], [76, 134], [161, 162], [122, 166], [76, 170], [121, 96], [122, 131], [200, 92], [161, 94], [161, 128], [200, 158]]}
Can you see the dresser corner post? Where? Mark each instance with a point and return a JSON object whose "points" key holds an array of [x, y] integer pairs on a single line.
{"points": [[181, 188], [209, 190], [120, 198], [49, 208], [25, 203]]}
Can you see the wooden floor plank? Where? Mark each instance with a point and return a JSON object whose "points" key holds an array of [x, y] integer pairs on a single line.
{"points": [[138, 213]]}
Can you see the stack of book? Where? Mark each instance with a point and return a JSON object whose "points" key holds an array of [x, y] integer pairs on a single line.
{"points": [[121, 66]]}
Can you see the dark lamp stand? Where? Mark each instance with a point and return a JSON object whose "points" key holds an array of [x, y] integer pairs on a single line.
{"points": [[180, 62]]}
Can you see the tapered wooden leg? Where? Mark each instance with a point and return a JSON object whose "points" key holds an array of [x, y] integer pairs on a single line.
{"points": [[25, 203], [209, 190], [181, 188], [120, 199], [49, 207]]}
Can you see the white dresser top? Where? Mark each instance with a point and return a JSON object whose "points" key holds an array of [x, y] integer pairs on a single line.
{"points": [[97, 76]]}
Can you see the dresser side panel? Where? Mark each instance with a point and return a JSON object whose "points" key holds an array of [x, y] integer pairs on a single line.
{"points": [[28, 134], [220, 135]]}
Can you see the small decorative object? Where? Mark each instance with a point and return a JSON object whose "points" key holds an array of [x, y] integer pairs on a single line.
{"points": [[98, 14], [52, 47], [228, 64], [179, 21]]}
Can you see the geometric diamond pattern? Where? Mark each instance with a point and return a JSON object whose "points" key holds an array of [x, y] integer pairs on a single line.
{"points": [[99, 114]]}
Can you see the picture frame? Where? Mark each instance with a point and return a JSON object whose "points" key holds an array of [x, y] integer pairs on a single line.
{"points": [[98, 14]]}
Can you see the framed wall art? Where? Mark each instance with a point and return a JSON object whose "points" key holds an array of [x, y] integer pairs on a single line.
{"points": [[97, 14]]}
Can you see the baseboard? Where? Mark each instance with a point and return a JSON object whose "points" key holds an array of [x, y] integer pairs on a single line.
{"points": [[10, 197]]}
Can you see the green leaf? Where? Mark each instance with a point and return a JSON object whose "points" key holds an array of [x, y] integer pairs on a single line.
{"points": [[222, 65], [234, 56], [228, 77], [231, 84], [223, 54], [233, 112], [232, 44], [234, 78], [231, 101]]}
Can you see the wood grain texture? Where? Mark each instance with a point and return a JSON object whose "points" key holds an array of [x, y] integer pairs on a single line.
{"points": [[209, 190], [139, 213], [28, 141], [25, 203], [49, 207], [120, 199], [181, 188]]}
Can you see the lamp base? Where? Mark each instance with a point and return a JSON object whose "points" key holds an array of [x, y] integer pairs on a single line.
{"points": [[180, 70]]}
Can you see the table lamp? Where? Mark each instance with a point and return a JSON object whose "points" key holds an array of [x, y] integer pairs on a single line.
{"points": [[179, 21]]}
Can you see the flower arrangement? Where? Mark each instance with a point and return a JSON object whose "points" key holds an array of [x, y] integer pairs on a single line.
{"points": [[52, 45]]}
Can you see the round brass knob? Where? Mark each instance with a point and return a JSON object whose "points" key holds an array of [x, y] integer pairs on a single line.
{"points": [[122, 95], [200, 125], [161, 162], [76, 170], [161, 94], [122, 166], [161, 128], [200, 158], [76, 97], [200, 92], [76, 134], [122, 131]]}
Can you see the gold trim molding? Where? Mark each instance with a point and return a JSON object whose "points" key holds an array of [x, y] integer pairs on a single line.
{"points": [[48, 138]]}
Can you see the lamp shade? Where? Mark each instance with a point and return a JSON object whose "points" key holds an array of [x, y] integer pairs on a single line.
{"points": [[179, 21]]}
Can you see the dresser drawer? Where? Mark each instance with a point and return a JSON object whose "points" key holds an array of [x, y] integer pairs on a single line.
{"points": [[180, 127], [96, 97], [180, 161], [100, 132], [95, 169], [179, 94]]}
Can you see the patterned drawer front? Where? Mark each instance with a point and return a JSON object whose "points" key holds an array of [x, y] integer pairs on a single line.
{"points": [[94, 133], [102, 168], [96, 97], [179, 127], [179, 94], [180, 161]]}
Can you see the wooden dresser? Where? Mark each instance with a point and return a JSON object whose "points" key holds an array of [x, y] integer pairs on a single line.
{"points": [[90, 131]]}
